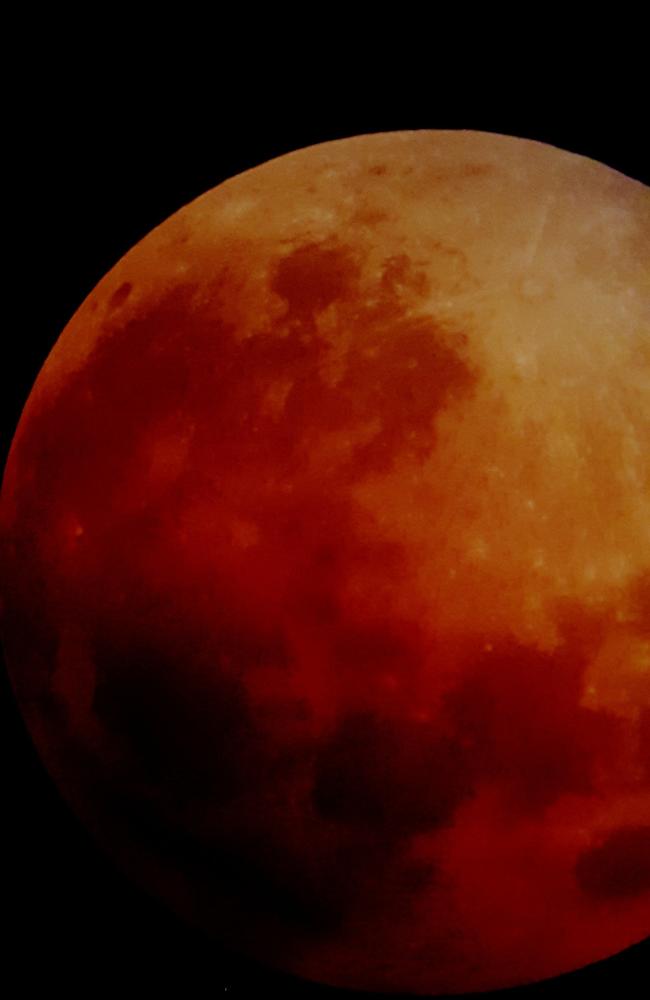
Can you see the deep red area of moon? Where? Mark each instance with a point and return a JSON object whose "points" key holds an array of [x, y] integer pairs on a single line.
{"points": [[275, 643]]}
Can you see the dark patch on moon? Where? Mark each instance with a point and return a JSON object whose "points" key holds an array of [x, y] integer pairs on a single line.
{"points": [[619, 867], [397, 777], [518, 712], [313, 276], [183, 725], [119, 296]]}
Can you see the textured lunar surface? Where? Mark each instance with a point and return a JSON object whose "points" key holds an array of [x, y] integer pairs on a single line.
{"points": [[326, 562]]}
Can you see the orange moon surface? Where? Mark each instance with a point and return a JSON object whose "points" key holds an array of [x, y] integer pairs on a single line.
{"points": [[326, 562]]}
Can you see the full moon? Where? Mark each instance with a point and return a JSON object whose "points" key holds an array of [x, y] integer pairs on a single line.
{"points": [[326, 562]]}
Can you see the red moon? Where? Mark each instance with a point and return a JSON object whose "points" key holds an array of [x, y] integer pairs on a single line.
{"points": [[326, 562]]}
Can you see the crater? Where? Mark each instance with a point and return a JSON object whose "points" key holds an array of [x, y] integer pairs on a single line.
{"points": [[119, 296], [617, 868]]}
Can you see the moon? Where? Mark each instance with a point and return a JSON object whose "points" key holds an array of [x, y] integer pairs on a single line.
{"points": [[326, 562]]}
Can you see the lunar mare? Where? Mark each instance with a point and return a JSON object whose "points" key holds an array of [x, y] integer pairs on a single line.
{"points": [[326, 562]]}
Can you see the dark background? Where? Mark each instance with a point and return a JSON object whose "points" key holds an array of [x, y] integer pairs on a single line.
{"points": [[95, 163]]}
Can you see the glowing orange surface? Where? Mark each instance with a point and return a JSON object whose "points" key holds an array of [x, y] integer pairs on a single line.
{"points": [[327, 561]]}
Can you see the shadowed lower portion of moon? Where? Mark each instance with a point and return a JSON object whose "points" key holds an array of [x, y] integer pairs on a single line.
{"points": [[326, 539]]}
